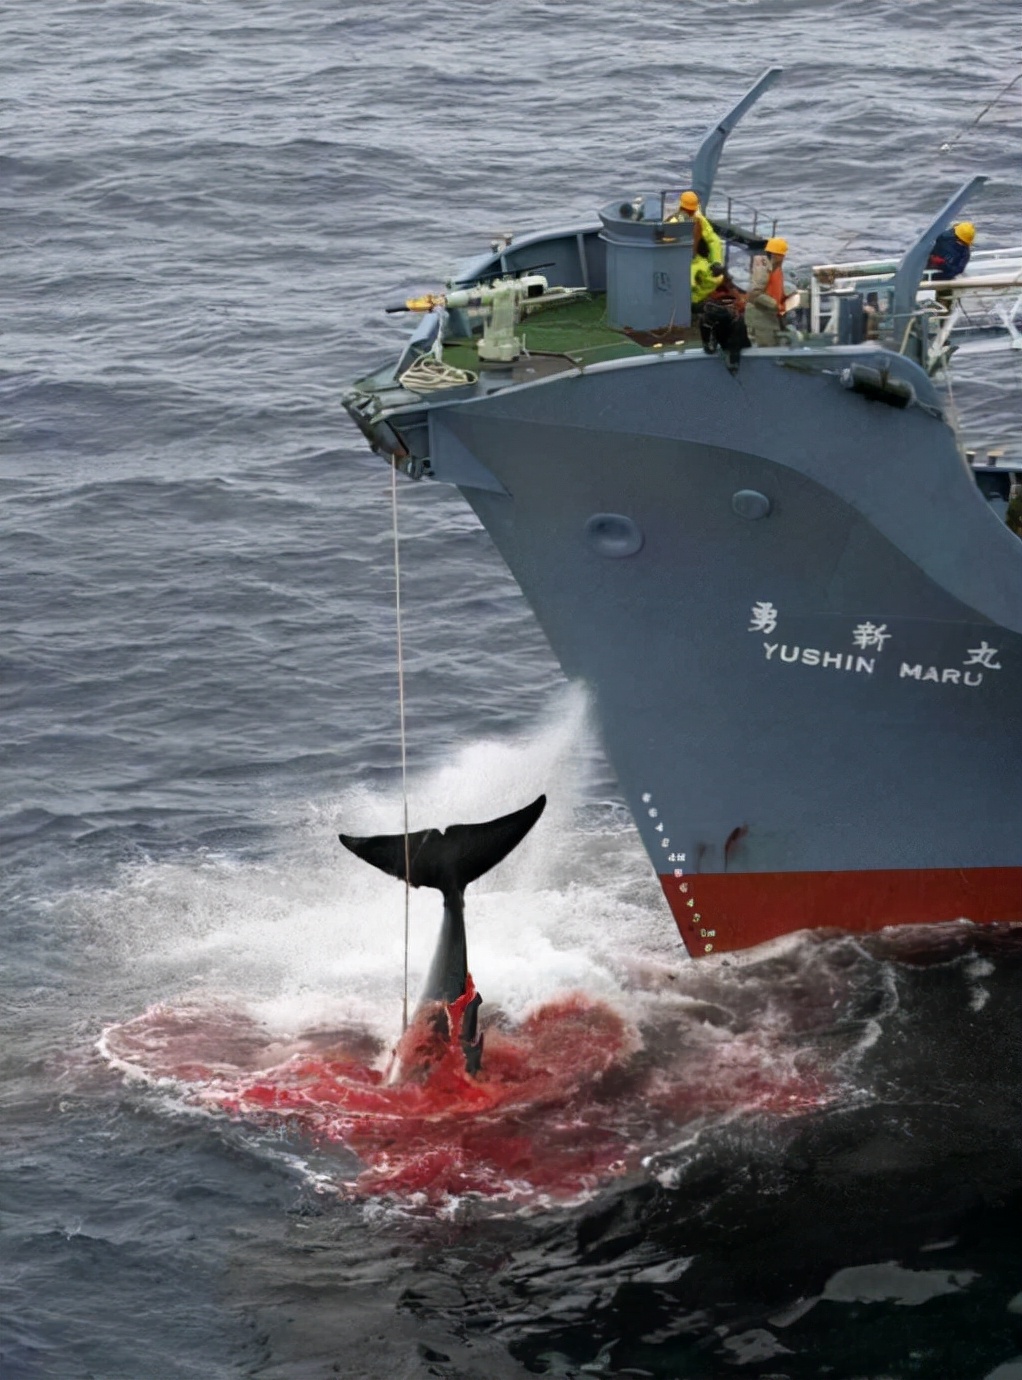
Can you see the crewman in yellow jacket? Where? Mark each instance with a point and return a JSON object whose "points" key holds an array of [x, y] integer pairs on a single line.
{"points": [[705, 240], [704, 280]]}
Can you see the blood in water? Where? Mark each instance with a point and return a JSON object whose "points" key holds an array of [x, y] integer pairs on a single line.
{"points": [[565, 1101]]}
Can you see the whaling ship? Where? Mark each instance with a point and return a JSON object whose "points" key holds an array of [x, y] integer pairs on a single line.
{"points": [[793, 596]]}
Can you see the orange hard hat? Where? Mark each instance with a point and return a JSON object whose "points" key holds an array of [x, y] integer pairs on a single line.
{"points": [[688, 201], [776, 245]]}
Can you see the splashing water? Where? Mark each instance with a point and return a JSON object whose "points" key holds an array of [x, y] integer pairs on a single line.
{"points": [[595, 1061]]}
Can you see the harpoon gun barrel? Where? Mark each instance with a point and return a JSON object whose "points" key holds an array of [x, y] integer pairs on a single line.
{"points": [[479, 295]]}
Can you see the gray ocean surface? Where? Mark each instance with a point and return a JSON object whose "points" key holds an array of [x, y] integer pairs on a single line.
{"points": [[205, 208]]}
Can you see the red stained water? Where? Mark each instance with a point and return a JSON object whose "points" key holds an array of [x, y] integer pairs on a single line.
{"points": [[567, 1100]]}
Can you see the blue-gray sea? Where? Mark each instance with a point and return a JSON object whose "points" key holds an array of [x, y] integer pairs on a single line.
{"points": [[206, 205]]}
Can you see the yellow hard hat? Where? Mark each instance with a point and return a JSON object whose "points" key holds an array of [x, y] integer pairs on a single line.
{"points": [[965, 231], [776, 245], [688, 201]]}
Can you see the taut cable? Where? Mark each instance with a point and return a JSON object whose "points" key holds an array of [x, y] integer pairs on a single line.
{"points": [[946, 148], [401, 718]]}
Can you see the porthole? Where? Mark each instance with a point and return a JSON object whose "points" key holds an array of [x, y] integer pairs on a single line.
{"points": [[613, 534]]}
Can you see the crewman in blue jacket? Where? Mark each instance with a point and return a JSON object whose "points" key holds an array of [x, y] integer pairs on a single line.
{"points": [[949, 257]]}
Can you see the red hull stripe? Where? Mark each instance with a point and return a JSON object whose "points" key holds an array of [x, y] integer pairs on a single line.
{"points": [[718, 912]]}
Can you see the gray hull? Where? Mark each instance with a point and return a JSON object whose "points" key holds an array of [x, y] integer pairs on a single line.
{"points": [[806, 658]]}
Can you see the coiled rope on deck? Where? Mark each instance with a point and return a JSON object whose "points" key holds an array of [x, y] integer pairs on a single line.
{"points": [[429, 373], [401, 721]]}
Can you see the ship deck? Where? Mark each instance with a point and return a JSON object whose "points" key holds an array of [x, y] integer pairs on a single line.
{"points": [[577, 332]]}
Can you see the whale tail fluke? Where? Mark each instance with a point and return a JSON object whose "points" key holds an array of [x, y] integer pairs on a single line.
{"points": [[447, 859]]}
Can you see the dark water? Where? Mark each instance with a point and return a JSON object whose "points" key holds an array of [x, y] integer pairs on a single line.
{"points": [[802, 1164]]}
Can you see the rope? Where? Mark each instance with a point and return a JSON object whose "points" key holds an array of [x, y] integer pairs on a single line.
{"points": [[401, 717], [429, 373], [952, 409], [946, 148]]}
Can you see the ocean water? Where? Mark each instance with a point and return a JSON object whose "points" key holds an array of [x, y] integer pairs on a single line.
{"points": [[802, 1162]]}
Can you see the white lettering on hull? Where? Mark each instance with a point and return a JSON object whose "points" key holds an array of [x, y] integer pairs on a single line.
{"points": [[866, 665], [765, 618], [706, 935], [948, 675], [813, 656]]}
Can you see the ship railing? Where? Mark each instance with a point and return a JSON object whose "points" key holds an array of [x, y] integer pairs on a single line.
{"points": [[854, 301], [985, 313], [745, 224], [754, 224], [738, 223]]}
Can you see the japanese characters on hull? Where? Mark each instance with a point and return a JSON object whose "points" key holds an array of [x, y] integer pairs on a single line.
{"points": [[868, 636]]}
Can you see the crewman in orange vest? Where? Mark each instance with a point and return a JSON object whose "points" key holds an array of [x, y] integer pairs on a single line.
{"points": [[768, 292]]}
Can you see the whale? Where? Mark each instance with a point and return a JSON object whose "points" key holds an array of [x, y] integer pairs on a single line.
{"points": [[449, 860]]}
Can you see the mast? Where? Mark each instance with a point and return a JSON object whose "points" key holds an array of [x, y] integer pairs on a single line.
{"points": [[704, 165]]}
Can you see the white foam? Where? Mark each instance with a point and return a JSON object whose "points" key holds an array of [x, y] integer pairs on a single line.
{"points": [[975, 969], [311, 935], [889, 1281]]}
